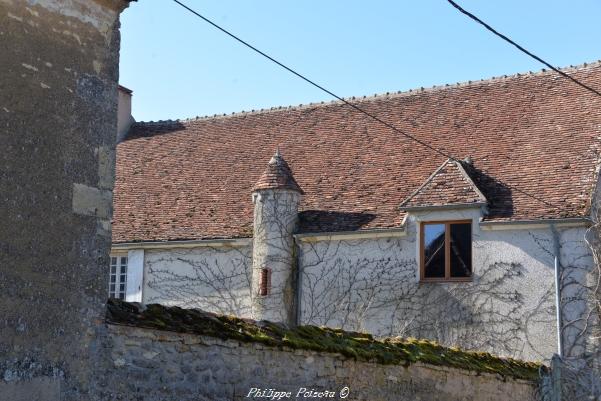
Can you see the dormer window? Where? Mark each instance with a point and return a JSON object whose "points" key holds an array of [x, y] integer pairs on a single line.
{"points": [[446, 251]]}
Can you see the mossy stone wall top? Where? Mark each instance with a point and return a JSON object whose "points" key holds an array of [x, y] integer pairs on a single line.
{"points": [[358, 346]]}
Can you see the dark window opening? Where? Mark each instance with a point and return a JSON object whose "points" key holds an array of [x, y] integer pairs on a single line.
{"points": [[434, 252], [461, 250], [265, 282], [446, 251]]}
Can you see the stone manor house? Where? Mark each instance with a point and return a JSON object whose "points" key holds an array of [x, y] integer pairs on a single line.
{"points": [[317, 214]]}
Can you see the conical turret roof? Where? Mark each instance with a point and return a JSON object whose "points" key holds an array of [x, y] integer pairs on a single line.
{"points": [[277, 176]]}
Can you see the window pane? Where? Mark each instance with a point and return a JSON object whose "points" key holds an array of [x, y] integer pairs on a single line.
{"points": [[113, 279], [434, 236], [113, 269], [123, 261], [113, 260], [461, 250]]}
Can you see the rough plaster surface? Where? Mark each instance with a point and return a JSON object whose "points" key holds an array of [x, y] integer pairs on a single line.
{"points": [[275, 221], [212, 279], [508, 308], [168, 366], [58, 111], [373, 285], [220, 279]]}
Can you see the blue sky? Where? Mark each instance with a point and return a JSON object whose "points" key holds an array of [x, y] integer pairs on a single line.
{"points": [[178, 66]]}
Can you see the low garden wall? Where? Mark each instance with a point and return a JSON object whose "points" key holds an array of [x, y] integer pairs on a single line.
{"points": [[161, 353]]}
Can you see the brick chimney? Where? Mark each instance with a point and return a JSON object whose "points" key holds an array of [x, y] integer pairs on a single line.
{"points": [[276, 197]]}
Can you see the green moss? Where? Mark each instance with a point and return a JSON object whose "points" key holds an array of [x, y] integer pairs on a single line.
{"points": [[359, 346]]}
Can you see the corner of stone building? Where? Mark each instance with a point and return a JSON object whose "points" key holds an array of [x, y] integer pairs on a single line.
{"points": [[59, 103]]}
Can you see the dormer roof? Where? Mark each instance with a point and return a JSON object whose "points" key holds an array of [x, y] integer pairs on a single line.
{"points": [[449, 185]]}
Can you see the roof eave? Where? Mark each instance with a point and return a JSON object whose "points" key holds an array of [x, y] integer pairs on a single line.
{"points": [[473, 205], [350, 235], [223, 242], [533, 223]]}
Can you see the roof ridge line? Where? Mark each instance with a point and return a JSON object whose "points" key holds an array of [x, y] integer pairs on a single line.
{"points": [[470, 181], [426, 182], [377, 96], [464, 174]]}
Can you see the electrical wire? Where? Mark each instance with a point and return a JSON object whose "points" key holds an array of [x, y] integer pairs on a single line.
{"points": [[354, 106], [522, 49], [359, 109]]}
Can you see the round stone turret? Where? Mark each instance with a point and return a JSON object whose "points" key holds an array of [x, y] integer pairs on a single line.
{"points": [[276, 197]]}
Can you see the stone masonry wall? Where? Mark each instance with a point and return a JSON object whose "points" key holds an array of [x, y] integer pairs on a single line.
{"points": [[58, 120], [157, 365]]}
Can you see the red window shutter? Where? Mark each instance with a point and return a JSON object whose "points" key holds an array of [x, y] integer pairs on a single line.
{"points": [[265, 282]]}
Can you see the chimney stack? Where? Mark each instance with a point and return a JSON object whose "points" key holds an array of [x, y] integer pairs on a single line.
{"points": [[124, 117]]}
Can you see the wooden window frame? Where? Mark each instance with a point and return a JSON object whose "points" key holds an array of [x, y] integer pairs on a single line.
{"points": [[447, 257]]}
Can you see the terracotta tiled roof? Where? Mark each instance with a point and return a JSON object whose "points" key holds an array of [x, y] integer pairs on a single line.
{"points": [[277, 175], [533, 138], [449, 185]]}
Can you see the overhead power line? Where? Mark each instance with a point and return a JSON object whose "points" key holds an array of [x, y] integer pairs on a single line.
{"points": [[522, 49], [354, 106]]}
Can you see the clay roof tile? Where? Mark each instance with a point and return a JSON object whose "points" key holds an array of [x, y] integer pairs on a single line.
{"points": [[449, 185], [277, 175], [519, 130]]}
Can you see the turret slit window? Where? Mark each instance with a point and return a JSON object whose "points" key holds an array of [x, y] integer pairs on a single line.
{"points": [[118, 277], [446, 251], [265, 282]]}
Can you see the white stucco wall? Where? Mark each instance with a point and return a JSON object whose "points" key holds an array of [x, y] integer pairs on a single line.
{"points": [[373, 285], [508, 308], [215, 279], [275, 220], [135, 275]]}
